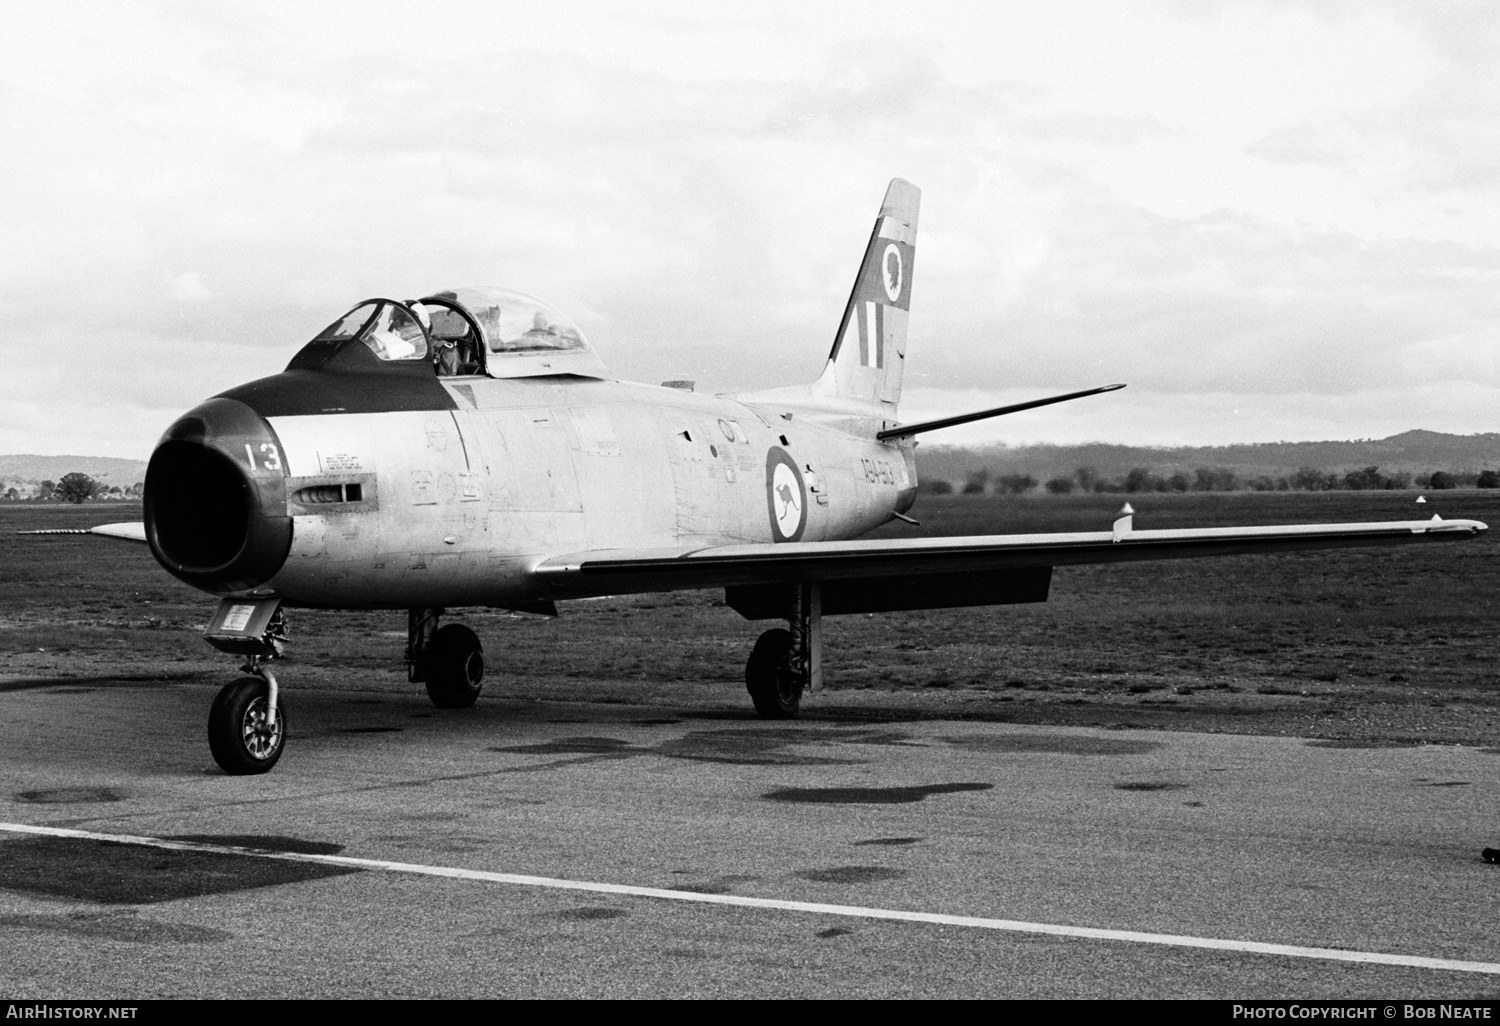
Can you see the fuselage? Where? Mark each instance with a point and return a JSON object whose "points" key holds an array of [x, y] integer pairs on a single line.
{"points": [[363, 486]]}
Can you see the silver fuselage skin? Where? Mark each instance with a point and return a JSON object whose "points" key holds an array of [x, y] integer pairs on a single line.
{"points": [[458, 507]]}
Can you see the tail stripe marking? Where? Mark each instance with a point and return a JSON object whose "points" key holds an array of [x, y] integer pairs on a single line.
{"points": [[866, 328], [871, 316]]}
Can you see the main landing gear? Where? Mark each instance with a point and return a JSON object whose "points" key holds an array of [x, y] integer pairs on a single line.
{"points": [[787, 662], [449, 660]]}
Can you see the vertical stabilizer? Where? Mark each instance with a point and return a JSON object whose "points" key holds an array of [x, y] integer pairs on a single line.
{"points": [[869, 351]]}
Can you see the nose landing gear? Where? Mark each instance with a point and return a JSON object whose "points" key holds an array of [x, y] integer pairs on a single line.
{"points": [[247, 723]]}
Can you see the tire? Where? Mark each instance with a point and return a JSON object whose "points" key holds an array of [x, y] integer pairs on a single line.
{"points": [[454, 667], [774, 688], [237, 734]]}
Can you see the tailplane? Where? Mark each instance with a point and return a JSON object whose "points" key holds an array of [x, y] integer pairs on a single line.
{"points": [[869, 351]]}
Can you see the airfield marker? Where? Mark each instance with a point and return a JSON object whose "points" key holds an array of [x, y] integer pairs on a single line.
{"points": [[816, 908]]}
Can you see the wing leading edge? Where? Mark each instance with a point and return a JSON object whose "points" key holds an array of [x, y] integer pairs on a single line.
{"points": [[928, 571]]}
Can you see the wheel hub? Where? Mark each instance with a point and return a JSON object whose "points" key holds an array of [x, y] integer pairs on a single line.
{"points": [[474, 671], [787, 684], [261, 740]]}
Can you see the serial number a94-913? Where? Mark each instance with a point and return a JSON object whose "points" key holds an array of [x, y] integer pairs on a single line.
{"points": [[878, 472]]}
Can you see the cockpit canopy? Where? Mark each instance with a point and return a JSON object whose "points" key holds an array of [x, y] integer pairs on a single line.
{"points": [[470, 331], [390, 329]]}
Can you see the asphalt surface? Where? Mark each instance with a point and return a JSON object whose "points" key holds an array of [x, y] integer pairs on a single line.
{"points": [[1204, 836]]}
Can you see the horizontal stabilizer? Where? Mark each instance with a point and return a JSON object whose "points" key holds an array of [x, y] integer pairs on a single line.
{"points": [[134, 531], [999, 411]]}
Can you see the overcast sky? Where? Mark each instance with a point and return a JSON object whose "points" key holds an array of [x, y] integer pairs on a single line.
{"points": [[1273, 220]]}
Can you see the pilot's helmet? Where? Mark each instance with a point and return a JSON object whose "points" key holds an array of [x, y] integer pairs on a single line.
{"points": [[422, 315]]}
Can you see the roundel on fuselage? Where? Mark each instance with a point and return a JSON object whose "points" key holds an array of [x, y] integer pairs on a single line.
{"points": [[786, 497]]}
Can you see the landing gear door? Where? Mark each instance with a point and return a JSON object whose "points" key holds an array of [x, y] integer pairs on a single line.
{"points": [[247, 627]]}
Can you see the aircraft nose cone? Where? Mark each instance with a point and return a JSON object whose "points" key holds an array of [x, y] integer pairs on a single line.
{"points": [[215, 501]]}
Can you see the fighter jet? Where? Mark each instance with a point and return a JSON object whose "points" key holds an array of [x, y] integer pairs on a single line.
{"points": [[468, 449]]}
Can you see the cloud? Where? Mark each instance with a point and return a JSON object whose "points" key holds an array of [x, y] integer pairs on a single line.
{"points": [[1301, 144], [1293, 199], [189, 288]]}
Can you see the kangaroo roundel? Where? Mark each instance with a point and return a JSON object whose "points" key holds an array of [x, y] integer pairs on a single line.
{"points": [[785, 497], [890, 264]]}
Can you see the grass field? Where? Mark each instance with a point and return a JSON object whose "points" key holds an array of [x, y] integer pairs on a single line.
{"points": [[1376, 646]]}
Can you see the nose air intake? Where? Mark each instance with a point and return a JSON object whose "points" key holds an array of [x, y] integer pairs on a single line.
{"points": [[201, 504], [215, 502]]}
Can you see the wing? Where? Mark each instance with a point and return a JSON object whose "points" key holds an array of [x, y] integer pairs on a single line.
{"points": [[134, 531], [925, 573]]}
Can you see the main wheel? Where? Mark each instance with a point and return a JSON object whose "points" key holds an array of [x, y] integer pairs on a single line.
{"points": [[238, 736], [774, 688], [455, 667]]}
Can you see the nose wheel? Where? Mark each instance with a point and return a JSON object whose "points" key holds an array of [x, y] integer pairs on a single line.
{"points": [[246, 733]]}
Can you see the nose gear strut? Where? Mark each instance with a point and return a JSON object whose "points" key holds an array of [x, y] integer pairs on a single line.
{"points": [[247, 726]]}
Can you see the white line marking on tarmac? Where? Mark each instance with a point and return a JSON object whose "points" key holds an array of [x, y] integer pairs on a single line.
{"points": [[817, 908]]}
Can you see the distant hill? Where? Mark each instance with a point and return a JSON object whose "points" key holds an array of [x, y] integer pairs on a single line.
{"points": [[1411, 452], [107, 469]]}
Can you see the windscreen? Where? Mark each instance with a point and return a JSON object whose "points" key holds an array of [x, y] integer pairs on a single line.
{"points": [[387, 327]]}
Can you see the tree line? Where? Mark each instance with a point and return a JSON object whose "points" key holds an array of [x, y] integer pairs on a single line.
{"points": [[78, 487], [1213, 479], [74, 487]]}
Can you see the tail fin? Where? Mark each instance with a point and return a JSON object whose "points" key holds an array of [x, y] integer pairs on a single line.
{"points": [[869, 351]]}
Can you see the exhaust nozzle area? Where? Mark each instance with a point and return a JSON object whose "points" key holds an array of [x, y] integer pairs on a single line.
{"points": [[215, 499]]}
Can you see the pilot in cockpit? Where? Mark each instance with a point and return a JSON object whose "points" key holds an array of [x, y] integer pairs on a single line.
{"points": [[445, 357], [453, 344]]}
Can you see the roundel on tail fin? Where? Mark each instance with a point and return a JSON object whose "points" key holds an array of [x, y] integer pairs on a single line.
{"points": [[890, 264], [786, 496]]}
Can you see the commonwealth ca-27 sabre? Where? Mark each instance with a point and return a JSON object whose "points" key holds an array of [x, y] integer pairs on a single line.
{"points": [[468, 449]]}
